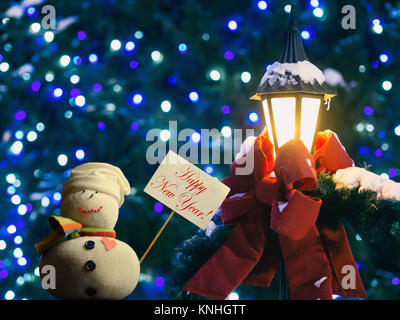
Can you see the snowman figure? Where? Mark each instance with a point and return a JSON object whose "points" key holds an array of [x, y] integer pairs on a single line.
{"points": [[89, 262]]}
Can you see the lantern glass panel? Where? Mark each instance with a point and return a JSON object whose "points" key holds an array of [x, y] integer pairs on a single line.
{"points": [[268, 121], [309, 118], [284, 113]]}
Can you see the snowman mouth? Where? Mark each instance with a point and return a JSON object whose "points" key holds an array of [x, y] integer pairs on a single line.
{"points": [[90, 210]]}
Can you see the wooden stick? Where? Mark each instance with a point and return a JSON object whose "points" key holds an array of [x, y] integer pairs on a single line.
{"points": [[156, 237]]}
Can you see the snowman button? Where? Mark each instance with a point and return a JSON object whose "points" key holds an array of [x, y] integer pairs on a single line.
{"points": [[90, 265], [89, 244], [90, 291]]}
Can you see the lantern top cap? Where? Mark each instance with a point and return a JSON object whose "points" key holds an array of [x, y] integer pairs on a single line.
{"points": [[293, 72], [293, 50]]}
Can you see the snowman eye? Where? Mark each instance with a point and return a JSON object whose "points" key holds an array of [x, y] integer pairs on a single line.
{"points": [[83, 191]]}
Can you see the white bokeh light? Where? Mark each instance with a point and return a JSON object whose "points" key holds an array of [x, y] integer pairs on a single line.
{"points": [[115, 45], [165, 106], [165, 135], [34, 27], [245, 77], [62, 160], [65, 60], [31, 136], [226, 131], [157, 56], [48, 36], [215, 75]]}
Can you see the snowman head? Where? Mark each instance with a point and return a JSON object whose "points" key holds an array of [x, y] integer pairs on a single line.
{"points": [[93, 195]]}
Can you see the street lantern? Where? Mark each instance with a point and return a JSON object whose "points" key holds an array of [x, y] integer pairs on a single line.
{"points": [[292, 92]]}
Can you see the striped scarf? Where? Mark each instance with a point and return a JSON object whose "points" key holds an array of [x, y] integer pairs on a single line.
{"points": [[65, 229]]}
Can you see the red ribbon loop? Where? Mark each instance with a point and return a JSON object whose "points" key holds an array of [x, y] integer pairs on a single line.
{"points": [[294, 218], [266, 189], [260, 158], [329, 153], [294, 167]]}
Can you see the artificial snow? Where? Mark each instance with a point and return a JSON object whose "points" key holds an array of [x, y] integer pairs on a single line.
{"points": [[245, 147], [25, 68], [354, 177], [237, 195], [328, 103], [27, 3], [285, 73], [65, 23], [211, 228], [319, 282], [334, 78], [282, 205], [17, 11]]}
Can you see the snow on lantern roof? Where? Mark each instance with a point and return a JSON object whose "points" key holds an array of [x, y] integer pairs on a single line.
{"points": [[293, 71]]}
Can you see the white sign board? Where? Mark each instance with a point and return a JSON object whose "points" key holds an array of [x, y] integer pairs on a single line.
{"points": [[187, 190]]}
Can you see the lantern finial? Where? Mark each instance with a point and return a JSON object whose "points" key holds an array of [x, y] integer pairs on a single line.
{"points": [[293, 50], [291, 18]]}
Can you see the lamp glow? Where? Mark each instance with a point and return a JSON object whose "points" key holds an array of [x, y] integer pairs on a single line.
{"points": [[284, 118], [309, 117]]}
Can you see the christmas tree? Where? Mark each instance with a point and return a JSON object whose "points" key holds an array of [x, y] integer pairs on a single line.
{"points": [[110, 71]]}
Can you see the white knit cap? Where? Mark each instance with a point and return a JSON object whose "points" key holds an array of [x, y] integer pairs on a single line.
{"points": [[98, 176]]}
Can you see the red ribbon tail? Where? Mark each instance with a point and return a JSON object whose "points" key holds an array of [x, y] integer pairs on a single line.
{"points": [[265, 270], [307, 267], [230, 265], [346, 278]]}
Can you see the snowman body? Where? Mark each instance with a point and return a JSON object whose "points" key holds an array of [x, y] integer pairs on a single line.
{"points": [[86, 269], [92, 264]]}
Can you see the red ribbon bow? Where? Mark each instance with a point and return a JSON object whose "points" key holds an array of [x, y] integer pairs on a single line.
{"points": [[263, 201]]}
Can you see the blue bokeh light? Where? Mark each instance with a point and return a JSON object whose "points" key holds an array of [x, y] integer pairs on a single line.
{"points": [[158, 207], [253, 117], [171, 80], [80, 154], [306, 35], [378, 153], [229, 55], [209, 169], [77, 60], [182, 48], [57, 93], [384, 58], [130, 46], [363, 150], [81, 35], [194, 96], [101, 125], [368, 111], [226, 109], [159, 282], [137, 99], [31, 11], [93, 58], [10, 190], [35, 86], [20, 115]]}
